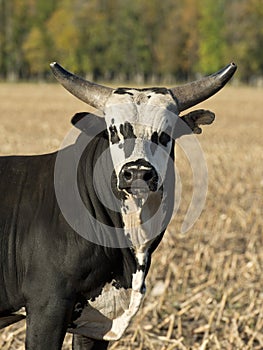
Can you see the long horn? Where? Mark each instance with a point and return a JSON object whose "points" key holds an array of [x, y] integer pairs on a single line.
{"points": [[93, 94], [193, 93]]}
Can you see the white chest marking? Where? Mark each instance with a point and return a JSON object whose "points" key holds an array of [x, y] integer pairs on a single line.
{"points": [[108, 316]]}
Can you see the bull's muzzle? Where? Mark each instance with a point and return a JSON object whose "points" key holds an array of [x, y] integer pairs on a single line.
{"points": [[138, 177]]}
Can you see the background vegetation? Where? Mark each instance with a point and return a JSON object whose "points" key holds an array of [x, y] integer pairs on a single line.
{"points": [[139, 40]]}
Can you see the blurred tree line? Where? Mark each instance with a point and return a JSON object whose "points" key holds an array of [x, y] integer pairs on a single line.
{"points": [[139, 40]]}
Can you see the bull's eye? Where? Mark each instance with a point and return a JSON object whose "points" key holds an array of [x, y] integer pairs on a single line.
{"points": [[164, 139], [113, 134]]}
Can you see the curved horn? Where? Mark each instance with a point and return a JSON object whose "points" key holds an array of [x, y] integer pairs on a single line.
{"points": [[193, 93], [93, 94]]}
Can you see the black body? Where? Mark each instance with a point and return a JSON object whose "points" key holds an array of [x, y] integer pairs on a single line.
{"points": [[45, 266]]}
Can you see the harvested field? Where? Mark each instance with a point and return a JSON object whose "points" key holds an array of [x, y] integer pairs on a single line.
{"points": [[205, 287]]}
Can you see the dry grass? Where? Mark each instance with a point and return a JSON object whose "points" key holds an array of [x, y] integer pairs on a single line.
{"points": [[205, 287]]}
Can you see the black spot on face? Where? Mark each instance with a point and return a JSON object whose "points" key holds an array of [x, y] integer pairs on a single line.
{"points": [[165, 136], [126, 130], [154, 138], [164, 139], [114, 138], [157, 90], [154, 142], [123, 91]]}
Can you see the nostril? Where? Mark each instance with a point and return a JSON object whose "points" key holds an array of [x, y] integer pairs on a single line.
{"points": [[148, 176], [127, 175]]}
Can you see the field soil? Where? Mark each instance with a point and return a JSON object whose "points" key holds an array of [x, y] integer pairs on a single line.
{"points": [[205, 286]]}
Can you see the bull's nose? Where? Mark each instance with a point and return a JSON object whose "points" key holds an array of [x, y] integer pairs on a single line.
{"points": [[135, 173], [131, 174]]}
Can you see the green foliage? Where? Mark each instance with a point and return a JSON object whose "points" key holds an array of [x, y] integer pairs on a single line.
{"points": [[63, 35], [35, 53], [211, 26], [249, 47], [131, 40]]}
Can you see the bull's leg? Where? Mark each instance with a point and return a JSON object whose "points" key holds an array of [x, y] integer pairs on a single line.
{"points": [[47, 323], [80, 342]]}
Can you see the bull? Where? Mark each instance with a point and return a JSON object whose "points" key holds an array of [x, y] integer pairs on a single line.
{"points": [[75, 243]]}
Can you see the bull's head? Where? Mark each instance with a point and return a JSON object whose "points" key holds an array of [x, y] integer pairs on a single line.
{"points": [[142, 124]]}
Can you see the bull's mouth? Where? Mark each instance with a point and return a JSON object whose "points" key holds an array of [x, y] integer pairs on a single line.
{"points": [[141, 196], [137, 192], [140, 188]]}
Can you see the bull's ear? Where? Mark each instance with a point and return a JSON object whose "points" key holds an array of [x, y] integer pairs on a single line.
{"points": [[198, 117], [90, 124]]}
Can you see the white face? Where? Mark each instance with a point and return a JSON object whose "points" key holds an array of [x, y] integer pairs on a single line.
{"points": [[140, 125]]}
